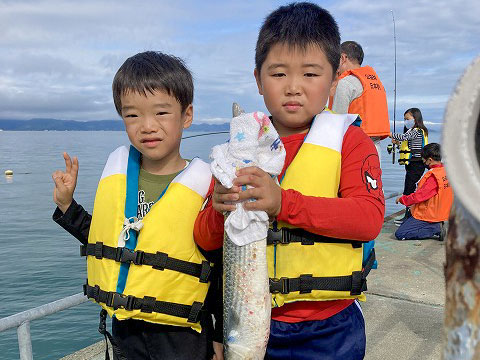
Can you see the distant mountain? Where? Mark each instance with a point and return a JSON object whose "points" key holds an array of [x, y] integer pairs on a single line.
{"points": [[97, 125]]}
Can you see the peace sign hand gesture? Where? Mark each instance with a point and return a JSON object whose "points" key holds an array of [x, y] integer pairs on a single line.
{"points": [[65, 182]]}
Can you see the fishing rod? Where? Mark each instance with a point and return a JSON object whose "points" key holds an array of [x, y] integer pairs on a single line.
{"points": [[395, 83], [206, 134]]}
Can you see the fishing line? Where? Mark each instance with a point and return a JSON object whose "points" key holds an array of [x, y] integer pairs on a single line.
{"points": [[206, 134], [395, 82]]}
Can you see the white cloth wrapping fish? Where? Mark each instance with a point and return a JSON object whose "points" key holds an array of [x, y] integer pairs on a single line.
{"points": [[246, 295], [253, 142]]}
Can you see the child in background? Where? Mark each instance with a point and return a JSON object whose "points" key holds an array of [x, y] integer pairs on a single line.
{"points": [[432, 201], [330, 200], [144, 268]]}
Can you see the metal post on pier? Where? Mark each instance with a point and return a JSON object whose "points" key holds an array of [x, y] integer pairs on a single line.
{"points": [[24, 341], [22, 320], [461, 155]]}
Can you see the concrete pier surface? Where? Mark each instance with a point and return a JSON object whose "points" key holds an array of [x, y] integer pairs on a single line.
{"points": [[405, 301]]}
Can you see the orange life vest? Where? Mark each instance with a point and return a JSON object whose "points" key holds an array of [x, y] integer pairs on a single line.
{"points": [[437, 208], [371, 105]]}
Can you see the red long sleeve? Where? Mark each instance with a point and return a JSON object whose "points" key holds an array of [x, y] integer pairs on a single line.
{"points": [[428, 190], [208, 229]]}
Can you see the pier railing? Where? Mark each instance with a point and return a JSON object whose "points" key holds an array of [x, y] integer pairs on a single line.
{"points": [[22, 320]]}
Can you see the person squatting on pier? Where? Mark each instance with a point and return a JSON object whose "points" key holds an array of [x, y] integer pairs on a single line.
{"points": [[144, 268], [431, 203], [330, 189]]}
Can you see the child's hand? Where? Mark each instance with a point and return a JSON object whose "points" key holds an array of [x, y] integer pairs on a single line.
{"points": [[65, 182], [397, 200], [217, 351], [264, 189], [221, 195]]}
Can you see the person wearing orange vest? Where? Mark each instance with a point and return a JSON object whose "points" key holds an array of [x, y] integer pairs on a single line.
{"points": [[360, 91], [430, 203]]}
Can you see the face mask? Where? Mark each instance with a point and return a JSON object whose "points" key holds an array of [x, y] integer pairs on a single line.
{"points": [[409, 123]]}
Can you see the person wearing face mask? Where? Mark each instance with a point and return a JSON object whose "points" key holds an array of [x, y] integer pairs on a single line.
{"points": [[430, 203], [412, 141]]}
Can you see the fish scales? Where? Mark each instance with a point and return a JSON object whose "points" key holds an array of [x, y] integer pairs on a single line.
{"points": [[247, 302]]}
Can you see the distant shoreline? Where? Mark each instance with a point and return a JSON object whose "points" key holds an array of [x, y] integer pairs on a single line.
{"points": [[117, 125], [96, 125]]}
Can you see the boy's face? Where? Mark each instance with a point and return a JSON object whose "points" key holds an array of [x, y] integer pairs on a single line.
{"points": [[154, 125], [295, 85]]}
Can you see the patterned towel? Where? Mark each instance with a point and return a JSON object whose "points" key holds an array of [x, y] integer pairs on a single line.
{"points": [[253, 142]]}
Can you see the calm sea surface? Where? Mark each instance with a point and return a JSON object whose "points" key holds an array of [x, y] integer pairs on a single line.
{"points": [[39, 261]]}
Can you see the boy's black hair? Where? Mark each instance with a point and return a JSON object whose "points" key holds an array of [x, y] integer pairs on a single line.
{"points": [[152, 71], [433, 151], [353, 50], [299, 25]]}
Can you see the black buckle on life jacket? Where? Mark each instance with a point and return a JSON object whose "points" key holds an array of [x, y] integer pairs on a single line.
{"points": [[358, 283], [91, 292], [83, 250], [279, 285], [160, 260], [305, 283], [125, 255], [205, 271], [120, 301], [194, 312], [147, 304], [98, 250], [279, 236]]}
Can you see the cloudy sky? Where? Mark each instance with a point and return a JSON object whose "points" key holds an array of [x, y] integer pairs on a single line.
{"points": [[58, 58]]}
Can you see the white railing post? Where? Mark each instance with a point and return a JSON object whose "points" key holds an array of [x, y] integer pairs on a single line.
{"points": [[24, 341]]}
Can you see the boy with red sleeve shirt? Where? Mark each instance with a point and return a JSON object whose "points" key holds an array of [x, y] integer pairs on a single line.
{"points": [[330, 186], [430, 203]]}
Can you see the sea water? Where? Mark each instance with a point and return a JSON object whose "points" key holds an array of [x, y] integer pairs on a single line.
{"points": [[39, 261]]}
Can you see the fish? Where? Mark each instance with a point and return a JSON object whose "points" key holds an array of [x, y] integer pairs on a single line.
{"points": [[246, 296]]}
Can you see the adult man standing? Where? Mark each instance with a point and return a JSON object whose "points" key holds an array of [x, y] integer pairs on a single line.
{"points": [[360, 91]]}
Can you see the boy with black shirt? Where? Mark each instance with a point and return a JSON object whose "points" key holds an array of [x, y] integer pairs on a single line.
{"points": [[144, 268]]}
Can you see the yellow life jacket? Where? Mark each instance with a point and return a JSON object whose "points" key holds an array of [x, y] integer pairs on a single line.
{"points": [[405, 152], [315, 268], [147, 269]]}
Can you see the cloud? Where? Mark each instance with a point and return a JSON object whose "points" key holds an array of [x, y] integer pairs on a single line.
{"points": [[59, 57], [435, 43]]}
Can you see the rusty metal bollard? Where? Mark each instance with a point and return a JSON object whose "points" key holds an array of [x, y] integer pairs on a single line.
{"points": [[461, 155]]}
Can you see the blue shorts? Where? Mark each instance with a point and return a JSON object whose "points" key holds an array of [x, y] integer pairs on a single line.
{"points": [[341, 336]]}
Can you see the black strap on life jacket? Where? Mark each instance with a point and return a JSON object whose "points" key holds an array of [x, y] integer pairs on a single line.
{"points": [[158, 261], [146, 304], [287, 236], [102, 329], [305, 283]]}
